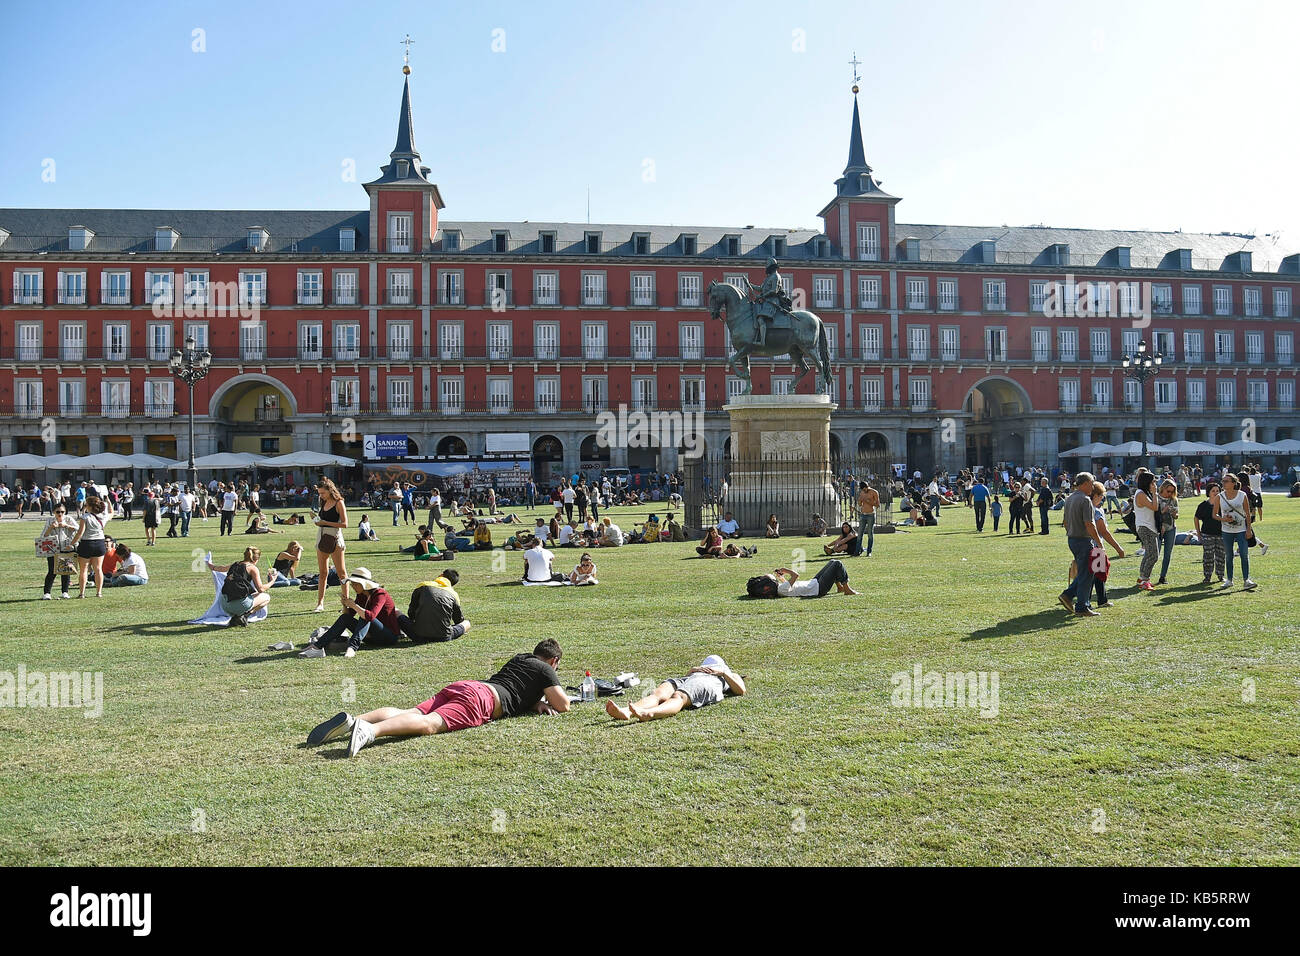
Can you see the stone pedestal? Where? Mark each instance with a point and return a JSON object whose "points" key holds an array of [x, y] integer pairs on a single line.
{"points": [[780, 461]]}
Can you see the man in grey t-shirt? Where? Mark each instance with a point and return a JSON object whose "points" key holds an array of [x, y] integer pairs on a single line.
{"points": [[1081, 535], [703, 685]]}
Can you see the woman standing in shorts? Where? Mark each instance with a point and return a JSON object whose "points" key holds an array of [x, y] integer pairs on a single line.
{"points": [[90, 545], [330, 521]]}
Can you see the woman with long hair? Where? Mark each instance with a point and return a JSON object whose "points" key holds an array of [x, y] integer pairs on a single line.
{"points": [[330, 521], [91, 545], [1168, 506], [243, 591], [1233, 511], [62, 527], [1145, 506]]}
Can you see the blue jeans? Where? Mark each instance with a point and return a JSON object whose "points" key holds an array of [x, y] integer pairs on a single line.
{"points": [[360, 629], [1080, 589], [867, 531], [185, 523], [1167, 542], [1236, 541], [286, 583], [397, 512], [124, 581]]}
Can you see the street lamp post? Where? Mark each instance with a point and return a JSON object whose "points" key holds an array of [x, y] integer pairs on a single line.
{"points": [[1141, 366], [191, 366]]}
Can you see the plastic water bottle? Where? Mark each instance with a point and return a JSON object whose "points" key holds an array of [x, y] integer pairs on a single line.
{"points": [[588, 687]]}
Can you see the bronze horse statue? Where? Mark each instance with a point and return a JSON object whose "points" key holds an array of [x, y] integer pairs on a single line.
{"points": [[804, 340]]}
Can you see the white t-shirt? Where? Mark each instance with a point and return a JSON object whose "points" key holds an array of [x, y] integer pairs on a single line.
{"points": [[134, 565], [1143, 517], [1233, 512], [566, 534], [539, 564], [187, 505], [229, 500], [805, 588], [728, 527], [543, 531], [1256, 482], [568, 495], [614, 535]]}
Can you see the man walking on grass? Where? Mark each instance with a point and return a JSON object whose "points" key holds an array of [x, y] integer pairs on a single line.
{"points": [[1081, 535], [868, 502], [1044, 503], [979, 495]]}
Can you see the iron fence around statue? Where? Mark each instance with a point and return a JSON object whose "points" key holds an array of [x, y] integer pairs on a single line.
{"points": [[792, 487]]}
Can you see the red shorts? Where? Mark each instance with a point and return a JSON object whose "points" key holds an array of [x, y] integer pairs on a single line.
{"points": [[466, 703]]}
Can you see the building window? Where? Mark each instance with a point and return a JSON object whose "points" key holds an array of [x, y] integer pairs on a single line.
{"points": [[158, 287], [164, 240], [1222, 300], [117, 288], [498, 335], [399, 341], [399, 288], [546, 242], [1252, 301], [824, 292], [451, 396], [643, 289], [252, 341], [345, 395], [451, 341], [72, 397], [688, 289], [995, 345], [546, 288], [115, 399], [688, 245], [450, 285], [592, 243], [1196, 394], [196, 288], [310, 341], [643, 341], [399, 232], [593, 340], [1286, 394], [1069, 390], [692, 394], [593, 288], [1191, 300], [917, 293], [252, 288], [546, 395], [72, 288], [399, 396], [949, 343], [868, 292], [1227, 392], [1282, 303], [1162, 299], [1223, 347], [1193, 347], [1037, 296], [347, 240], [643, 394], [691, 337], [873, 394], [870, 338], [159, 339], [995, 295], [595, 394], [1099, 344], [546, 341], [1254, 348], [1101, 394], [345, 288], [1068, 344], [869, 241], [918, 393], [72, 341], [451, 241], [1282, 353], [918, 343], [1166, 395]]}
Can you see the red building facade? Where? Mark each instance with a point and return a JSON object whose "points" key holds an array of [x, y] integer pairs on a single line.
{"points": [[952, 345]]}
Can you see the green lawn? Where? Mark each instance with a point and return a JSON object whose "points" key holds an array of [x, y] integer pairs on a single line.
{"points": [[1126, 739]]}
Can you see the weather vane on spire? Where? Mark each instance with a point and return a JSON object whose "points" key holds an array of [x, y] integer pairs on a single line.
{"points": [[406, 54], [855, 63]]}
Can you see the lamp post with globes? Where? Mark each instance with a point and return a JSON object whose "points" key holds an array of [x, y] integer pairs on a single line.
{"points": [[1142, 366], [191, 365]]}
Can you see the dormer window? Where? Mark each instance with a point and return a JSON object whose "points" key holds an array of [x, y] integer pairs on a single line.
{"points": [[821, 247], [1184, 257], [640, 243], [1058, 254], [864, 183], [731, 245], [778, 245], [347, 240], [688, 245], [593, 243], [911, 249], [403, 168], [546, 242], [164, 239], [79, 238], [257, 237], [1123, 257], [4, 234], [451, 241], [500, 241]]}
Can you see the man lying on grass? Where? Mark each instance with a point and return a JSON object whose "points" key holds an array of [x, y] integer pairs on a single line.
{"points": [[526, 682], [703, 685]]}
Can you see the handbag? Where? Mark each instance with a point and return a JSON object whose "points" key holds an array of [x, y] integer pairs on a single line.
{"points": [[328, 541], [65, 564]]}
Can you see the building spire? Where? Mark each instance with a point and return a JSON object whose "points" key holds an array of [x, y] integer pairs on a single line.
{"points": [[857, 155], [405, 165]]}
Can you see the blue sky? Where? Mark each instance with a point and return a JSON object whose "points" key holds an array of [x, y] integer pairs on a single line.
{"points": [[1124, 115]]}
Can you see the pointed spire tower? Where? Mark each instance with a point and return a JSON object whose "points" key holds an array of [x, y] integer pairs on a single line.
{"points": [[860, 219], [404, 202]]}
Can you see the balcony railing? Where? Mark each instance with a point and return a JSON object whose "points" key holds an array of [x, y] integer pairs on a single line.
{"points": [[595, 297], [73, 295], [692, 300], [399, 297], [451, 297], [546, 297], [29, 296], [498, 298], [642, 299]]}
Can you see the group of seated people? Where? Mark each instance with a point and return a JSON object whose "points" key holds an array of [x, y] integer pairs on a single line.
{"points": [[370, 616], [712, 546], [527, 683], [538, 567]]}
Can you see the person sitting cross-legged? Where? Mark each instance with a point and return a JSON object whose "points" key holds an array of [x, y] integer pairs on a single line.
{"points": [[527, 682], [706, 684], [370, 615], [434, 613]]}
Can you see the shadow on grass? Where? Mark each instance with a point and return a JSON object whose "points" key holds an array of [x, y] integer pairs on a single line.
{"points": [[1025, 624]]}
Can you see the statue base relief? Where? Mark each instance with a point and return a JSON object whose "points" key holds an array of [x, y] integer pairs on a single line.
{"points": [[780, 462]]}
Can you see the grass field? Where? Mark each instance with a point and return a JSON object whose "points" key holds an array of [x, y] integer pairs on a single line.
{"points": [[1132, 738]]}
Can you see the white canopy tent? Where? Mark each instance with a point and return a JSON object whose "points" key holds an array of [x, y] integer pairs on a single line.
{"points": [[1087, 451], [220, 460], [103, 460], [1243, 447], [1287, 446], [1193, 449], [1133, 449], [152, 461], [28, 462], [307, 459]]}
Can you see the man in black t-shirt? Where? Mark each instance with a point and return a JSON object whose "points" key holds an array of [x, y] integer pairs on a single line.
{"points": [[526, 682]]}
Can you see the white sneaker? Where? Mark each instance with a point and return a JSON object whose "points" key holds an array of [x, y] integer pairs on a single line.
{"points": [[317, 634], [65, 596], [1263, 548], [312, 652], [363, 733], [350, 652], [1225, 585], [46, 597], [1248, 585], [318, 609]]}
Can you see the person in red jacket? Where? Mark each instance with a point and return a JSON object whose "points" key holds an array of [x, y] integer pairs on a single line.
{"points": [[370, 615]]}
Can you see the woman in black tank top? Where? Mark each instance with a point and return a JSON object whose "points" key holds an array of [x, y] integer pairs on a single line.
{"points": [[330, 521]]}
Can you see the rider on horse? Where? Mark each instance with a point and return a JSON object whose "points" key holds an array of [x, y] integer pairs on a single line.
{"points": [[772, 301]]}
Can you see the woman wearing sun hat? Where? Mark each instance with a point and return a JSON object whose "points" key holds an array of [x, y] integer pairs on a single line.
{"points": [[371, 616]]}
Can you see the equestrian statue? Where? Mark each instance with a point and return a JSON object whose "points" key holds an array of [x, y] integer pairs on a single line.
{"points": [[761, 322]]}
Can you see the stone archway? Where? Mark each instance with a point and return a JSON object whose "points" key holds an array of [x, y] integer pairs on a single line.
{"points": [[995, 430], [452, 446]]}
